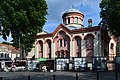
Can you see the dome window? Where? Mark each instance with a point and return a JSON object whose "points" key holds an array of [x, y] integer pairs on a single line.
{"points": [[68, 20], [76, 19]]}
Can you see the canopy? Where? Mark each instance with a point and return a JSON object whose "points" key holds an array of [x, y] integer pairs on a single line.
{"points": [[41, 59]]}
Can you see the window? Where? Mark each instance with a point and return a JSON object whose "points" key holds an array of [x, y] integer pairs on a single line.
{"points": [[58, 54], [76, 20], [49, 44], [1, 54], [62, 54], [60, 42], [78, 46], [78, 42], [64, 42], [64, 21], [68, 20], [112, 45], [89, 47], [89, 42], [5, 55]]}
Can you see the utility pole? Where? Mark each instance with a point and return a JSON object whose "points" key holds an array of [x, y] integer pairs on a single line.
{"points": [[1, 26], [20, 47]]}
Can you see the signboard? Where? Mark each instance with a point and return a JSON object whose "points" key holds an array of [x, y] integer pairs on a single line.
{"points": [[48, 63], [117, 63], [80, 64], [99, 64], [31, 65], [62, 64]]}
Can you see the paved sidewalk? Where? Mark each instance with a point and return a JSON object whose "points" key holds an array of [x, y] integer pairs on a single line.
{"points": [[58, 75]]}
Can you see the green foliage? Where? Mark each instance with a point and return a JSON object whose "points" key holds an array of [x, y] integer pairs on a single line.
{"points": [[110, 14], [6, 43], [23, 19]]}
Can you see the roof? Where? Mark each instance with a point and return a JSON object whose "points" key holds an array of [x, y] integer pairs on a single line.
{"points": [[72, 10], [10, 47], [74, 31], [43, 32]]}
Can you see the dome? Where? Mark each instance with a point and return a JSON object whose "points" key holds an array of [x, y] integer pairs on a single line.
{"points": [[72, 10], [73, 18]]}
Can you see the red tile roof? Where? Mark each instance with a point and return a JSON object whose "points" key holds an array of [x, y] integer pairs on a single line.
{"points": [[10, 47]]}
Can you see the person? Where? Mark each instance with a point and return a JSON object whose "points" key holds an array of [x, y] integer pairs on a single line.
{"points": [[2, 65], [44, 69], [13, 67]]}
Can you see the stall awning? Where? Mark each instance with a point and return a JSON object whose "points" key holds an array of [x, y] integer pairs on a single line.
{"points": [[41, 59]]}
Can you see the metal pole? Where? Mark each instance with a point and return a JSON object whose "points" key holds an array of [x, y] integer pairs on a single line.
{"points": [[54, 64], [116, 77], [54, 77], [97, 75], [1, 78], [28, 77], [76, 76], [20, 48]]}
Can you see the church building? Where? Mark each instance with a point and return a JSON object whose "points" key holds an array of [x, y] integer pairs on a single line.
{"points": [[71, 39]]}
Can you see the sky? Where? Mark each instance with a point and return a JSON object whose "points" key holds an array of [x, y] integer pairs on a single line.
{"points": [[90, 9]]}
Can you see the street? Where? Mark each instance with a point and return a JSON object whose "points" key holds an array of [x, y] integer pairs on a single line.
{"points": [[58, 75]]}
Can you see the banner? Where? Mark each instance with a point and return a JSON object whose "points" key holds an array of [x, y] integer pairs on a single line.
{"points": [[80, 64], [99, 64], [62, 64]]}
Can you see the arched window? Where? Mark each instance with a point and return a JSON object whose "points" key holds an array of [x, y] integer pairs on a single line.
{"points": [[89, 41], [62, 54], [64, 21], [112, 55], [112, 45], [68, 20], [48, 49], [5, 55], [40, 48], [76, 19], [77, 47], [60, 42], [2, 55], [49, 45], [78, 42], [65, 42], [58, 54]]}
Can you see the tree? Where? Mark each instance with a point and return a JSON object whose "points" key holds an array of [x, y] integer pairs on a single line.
{"points": [[110, 14], [23, 19], [6, 43]]}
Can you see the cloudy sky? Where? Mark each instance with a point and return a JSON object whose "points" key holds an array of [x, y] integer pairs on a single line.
{"points": [[90, 9]]}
